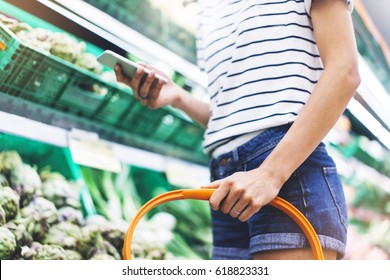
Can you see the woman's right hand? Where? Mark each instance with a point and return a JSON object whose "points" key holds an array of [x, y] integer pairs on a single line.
{"points": [[149, 93]]}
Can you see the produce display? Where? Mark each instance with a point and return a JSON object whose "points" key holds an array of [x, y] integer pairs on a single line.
{"points": [[366, 184], [41, 217], [178, 229], [58, 44]]}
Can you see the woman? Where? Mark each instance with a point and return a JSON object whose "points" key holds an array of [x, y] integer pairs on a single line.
{"points": [[280, 74]]}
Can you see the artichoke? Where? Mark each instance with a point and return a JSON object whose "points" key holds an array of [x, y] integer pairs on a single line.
{"points": [[88, 61], [25, 180], [64, 234], [20, 26], [60, 192], [50, 252], [22, 236], [26, 253], [37, 37], [66, 47], [38, 216], [39, 251], [102, 256], [9, 200], [69, 214], [3, 181], [102, 246], [73, 255], [13, 24], [9, 160], [7, 244], [93, 243], [2, 216], [87, 241], [115, 235]]}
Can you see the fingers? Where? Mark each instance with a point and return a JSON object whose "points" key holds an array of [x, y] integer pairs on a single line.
{"points": [[234, 200], [137, 81], [155, 92], [246, 207], [120, 77], [146, 84], [218, 196], [213, 185]]}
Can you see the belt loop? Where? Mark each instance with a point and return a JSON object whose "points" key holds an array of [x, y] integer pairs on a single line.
{"points": [[235, 155]]}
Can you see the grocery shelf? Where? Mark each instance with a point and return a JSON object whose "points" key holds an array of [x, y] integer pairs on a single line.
{"points": [[89, 23], [59, 92], [54, 135]]}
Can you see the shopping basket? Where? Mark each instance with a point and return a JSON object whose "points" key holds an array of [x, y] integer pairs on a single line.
{"points": [[205, 194]]}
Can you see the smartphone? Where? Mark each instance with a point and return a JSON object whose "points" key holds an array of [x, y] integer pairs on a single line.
{"points": [[110, 59]]}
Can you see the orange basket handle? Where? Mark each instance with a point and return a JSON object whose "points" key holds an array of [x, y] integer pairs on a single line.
{"points": [[204, 194]]}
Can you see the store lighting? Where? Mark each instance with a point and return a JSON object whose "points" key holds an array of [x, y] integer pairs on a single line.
{"points": [[369, 122], [123, 36], [373, 92]]}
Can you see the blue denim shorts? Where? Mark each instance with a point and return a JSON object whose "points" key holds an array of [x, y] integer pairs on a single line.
{"points": [[314, 188]]}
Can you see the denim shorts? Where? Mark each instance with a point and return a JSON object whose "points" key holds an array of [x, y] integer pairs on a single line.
{"points": [[314, 188]]}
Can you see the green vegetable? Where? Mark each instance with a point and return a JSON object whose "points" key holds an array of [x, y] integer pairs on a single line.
{"points": [[9, 160], [66, 47], [115, 196], [69, 214], [25, 180], [2, 216], [3, 181], [102, 256], [9, 200], [97, 197], [102, 246], [38, 216], [180, 248], [126, 190], [58, 190], [64, 234], [22, 236], [88, 61], [7, 244], [72, 255], [50, 252]]}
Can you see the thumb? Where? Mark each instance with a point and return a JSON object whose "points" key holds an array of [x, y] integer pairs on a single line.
{"points": [[213, 185]]}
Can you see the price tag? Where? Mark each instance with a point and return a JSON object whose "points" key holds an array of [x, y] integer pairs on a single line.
{"points": [[87, 149], [186, 175], [3, 45]]}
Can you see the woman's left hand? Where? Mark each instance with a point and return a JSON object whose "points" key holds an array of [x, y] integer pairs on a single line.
{"points": [[243, 194]]}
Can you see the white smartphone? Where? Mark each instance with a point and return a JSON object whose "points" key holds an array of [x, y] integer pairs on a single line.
{"points": [[110, 59]]}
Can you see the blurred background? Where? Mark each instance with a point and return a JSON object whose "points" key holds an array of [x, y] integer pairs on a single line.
{"points": [[79, 156]]}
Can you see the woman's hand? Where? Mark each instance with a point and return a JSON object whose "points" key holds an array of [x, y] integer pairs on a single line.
{"points": [[244, 193], [156, 95], [151, 94]]}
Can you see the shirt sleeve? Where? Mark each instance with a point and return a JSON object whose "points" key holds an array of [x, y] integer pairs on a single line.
{"points": [[308, 5]]}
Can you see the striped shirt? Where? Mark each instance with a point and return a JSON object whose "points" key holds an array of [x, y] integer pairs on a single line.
{"points": [[262, 63]]}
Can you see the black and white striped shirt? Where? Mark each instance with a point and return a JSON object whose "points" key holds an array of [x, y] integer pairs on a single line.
{"points": [[262, 63]]}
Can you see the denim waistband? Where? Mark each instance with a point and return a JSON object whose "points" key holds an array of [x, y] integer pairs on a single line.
{"points": [[259, 144]]}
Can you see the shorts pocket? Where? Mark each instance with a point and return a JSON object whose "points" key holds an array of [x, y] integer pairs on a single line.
{"points": [[337, 193], [259, 155]]}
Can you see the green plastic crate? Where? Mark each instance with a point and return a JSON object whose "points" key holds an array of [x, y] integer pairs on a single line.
{"points": [[44, 79], [41, 155]]}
